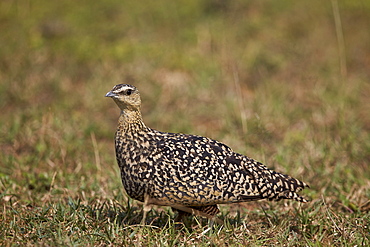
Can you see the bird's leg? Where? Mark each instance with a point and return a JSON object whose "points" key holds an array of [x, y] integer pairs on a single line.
{"points": [[211, 222], [146, 208]]}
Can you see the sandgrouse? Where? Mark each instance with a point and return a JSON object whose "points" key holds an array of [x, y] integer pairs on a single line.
{"points": [[190, 173]]}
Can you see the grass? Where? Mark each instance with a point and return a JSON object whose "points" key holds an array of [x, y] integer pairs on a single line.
{"points": [[286, 83]]}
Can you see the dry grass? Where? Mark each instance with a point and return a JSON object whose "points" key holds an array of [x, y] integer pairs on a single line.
{"points": [[286, 83]]}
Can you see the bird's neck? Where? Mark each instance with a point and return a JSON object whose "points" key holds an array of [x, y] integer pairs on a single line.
{"points": [[131, 121]]}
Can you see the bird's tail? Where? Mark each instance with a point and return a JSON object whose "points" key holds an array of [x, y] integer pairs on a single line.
{"points": [[275, 186], [282, 186]]}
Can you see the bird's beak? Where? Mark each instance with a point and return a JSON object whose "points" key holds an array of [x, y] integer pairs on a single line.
{"points": [[110, 94]]}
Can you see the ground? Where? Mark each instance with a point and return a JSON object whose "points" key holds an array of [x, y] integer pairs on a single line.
{"points": [[284, 82]]}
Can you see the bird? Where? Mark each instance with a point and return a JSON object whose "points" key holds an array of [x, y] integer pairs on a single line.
{"points": [[190, 173]]}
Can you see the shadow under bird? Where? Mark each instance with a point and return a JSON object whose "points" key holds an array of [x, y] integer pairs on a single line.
{"points": [[190, 173]]}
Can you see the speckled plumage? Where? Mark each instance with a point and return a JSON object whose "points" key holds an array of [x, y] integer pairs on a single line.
{"points": [[188, 170]]}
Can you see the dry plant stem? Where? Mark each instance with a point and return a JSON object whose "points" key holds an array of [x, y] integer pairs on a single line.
{"points": [[240, 99], [340, 39]]}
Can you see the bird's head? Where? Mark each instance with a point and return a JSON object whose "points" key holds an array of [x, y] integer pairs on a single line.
{"points": [[127, 97]]}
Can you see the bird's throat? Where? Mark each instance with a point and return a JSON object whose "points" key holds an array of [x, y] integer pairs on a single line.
{"points": [[131, 121]]}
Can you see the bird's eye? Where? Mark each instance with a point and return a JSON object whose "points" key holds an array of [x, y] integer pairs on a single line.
{"points": [[128, 92]]}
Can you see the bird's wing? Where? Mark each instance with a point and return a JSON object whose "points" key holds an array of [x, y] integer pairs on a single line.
{"points": [[197, 171]]}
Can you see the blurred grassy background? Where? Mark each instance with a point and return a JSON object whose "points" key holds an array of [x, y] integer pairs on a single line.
{"points": [[286, 83]]}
